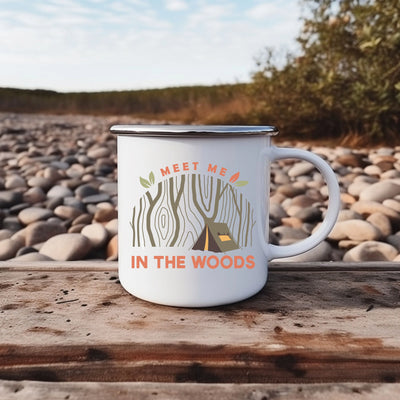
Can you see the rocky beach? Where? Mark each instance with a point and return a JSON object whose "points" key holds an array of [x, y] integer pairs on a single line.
{"points": [[58, 194]]}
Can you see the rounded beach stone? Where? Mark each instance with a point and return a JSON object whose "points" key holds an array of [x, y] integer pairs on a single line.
{"points": [[70, 159], [5, 234], [85, 219], [84, 160], [385, 166], [394, 240], [370, 207], [96, 198], [75, 171], [75, 203], [32, 214], [39, 181], [59, 191], [105, 215], [52, 173], [15, 210], [300, 168], [12, 223], [292, 210], [77, 228], [109, 187], [104, 170], [14, 181], [54, 202], [373, 170], [356, 188], [96, 233], [41, 231], [98, 152], [19, 235], [385, 151], [290, 190], [347, 198], [105, 205], [9, 198], [348, 244], [28, 257], [366, 178], [59, 165], [25, 250], [279, 177], [293, 222], [277, 198], [287, 235], [391, 174], [382, 222], [112, 249], [346, 214], [277, 211], [9, 248], [34, 195], [66, 247], [351, 160], [371, 251], [354, 229], [393, 204], [67, 212], [112, 227], [85, 191], [309, 214], [380, 191], [303, 201]]}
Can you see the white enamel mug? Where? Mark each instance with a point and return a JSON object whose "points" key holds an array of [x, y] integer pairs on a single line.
{"points": [[193, 211]]}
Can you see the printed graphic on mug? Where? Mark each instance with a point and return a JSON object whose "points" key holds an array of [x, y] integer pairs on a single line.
{"points": [[193, 210]]}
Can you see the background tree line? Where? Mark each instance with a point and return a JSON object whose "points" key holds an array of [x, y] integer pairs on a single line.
{"points": [[344, 82], [219, 103]]}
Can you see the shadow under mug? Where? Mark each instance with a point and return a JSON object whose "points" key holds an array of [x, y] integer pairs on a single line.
{"points": [[193, 211]]}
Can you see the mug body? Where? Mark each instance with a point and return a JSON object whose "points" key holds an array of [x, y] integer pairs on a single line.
{"points": [[192, 212]]}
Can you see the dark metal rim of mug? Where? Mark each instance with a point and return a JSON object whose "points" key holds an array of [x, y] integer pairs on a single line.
{"points": [[192, 131]]}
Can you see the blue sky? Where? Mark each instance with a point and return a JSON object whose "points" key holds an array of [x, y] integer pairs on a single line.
{"points": [[90, 45]]}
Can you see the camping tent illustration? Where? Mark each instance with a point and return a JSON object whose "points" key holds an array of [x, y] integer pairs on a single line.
{"points": [[215, 237]]}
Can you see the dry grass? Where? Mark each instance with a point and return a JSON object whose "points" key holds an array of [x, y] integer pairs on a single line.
{"points": [[232, 111]]}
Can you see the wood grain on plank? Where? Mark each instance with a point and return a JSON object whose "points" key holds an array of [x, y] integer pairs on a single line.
{"points": [[319, 326], [101, 265], [31, 390]]}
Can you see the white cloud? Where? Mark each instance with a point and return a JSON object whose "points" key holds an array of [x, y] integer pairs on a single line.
{"points": [[176, 5], [127, 44], [210, 18], [263, 11]]}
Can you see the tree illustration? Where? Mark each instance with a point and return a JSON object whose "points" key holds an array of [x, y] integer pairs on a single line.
{"points": [[175, 212]]}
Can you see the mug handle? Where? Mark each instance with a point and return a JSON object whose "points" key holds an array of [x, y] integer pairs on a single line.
{"points": [[274, 153]]}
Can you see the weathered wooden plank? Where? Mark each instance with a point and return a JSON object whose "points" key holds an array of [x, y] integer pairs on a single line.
{"points": [[81, 265], [320, 326], [25, 390], [101, 265], [335, 266]]}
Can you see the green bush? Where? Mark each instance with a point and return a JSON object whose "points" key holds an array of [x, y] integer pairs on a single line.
{"points": [[346, 79]]}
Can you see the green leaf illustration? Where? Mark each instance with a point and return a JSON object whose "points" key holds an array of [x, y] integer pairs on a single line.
{"points": [[145, 183], [151, 177], [241, 183]]}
